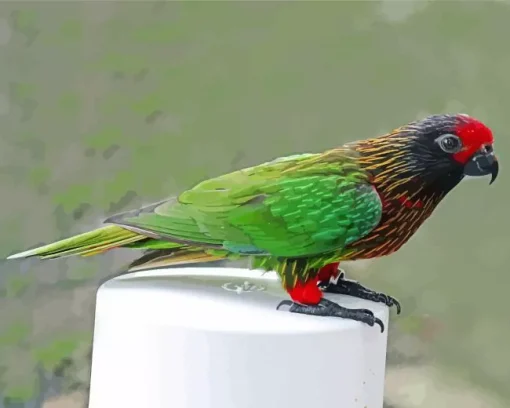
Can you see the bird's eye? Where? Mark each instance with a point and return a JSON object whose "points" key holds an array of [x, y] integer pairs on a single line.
{"points": [[449, 143]]}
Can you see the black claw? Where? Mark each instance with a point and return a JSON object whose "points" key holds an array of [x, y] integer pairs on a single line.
{"points": [[284, 303], [328, 308], [355, 289], [380, 323]]}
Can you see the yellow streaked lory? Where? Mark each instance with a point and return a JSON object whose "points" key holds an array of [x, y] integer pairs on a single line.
{"points": [[303, 214]]}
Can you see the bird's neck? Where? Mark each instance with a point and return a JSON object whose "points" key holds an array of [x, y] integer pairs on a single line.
{"points": [[409, 195], [398, 177]]}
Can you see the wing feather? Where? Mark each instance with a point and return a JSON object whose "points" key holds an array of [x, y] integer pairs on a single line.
{"points": [[292, 207]]}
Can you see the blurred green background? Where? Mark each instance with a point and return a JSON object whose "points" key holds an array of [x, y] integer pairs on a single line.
{"points": [[105, 106]]}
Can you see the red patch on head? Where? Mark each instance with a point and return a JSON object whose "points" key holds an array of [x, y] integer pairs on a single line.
{"points": [[474, 134]]}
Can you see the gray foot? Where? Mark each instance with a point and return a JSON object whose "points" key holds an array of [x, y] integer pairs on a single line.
{"points": [[328, 308], [348, 287]]}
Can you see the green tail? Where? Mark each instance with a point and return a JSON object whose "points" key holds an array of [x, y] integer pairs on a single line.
{"points": [[86, 244]]}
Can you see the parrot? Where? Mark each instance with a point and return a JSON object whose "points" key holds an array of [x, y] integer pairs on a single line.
{"points": [[302, 215]]}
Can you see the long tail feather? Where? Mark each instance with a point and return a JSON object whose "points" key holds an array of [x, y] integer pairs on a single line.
{"points": [[162, 258], [86, 244]]}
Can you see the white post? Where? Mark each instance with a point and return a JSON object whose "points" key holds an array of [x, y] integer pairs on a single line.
{"points": [[212, 338]]}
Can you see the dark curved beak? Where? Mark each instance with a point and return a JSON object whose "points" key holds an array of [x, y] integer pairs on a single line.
{"points": [[482, 163]]}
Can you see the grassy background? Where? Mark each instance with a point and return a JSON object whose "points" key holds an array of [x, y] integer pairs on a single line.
{"points": [[105, 106]]}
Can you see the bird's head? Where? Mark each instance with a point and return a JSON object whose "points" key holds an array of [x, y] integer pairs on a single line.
{"points": [[439, 148], [453, 143]]}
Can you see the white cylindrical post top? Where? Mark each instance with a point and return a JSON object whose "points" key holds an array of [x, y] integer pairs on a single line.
{"points": [[212, 338]]}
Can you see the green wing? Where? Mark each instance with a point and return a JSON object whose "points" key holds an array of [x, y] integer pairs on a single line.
{"points": [[297, 206]]}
